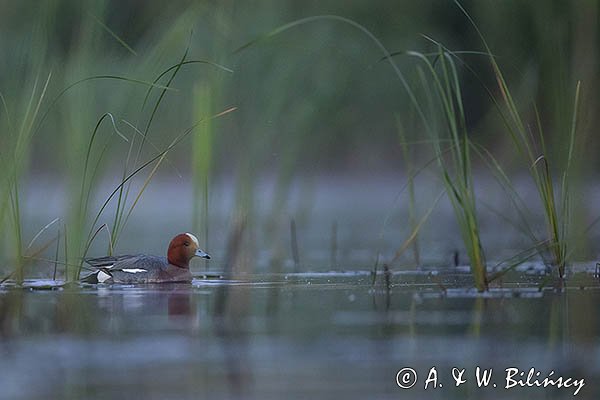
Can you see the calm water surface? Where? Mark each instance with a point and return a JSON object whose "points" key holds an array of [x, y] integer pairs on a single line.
{"points": [[295, 336]]}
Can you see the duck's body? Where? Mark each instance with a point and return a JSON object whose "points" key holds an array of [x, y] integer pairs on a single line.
{"points": [[142, 268], [138, 268]]}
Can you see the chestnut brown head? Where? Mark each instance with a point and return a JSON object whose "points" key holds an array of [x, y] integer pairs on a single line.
{"points": [[183, 248]]}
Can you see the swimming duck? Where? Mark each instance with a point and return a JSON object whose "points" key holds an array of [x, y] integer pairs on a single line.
{"points": [[141, 268]]}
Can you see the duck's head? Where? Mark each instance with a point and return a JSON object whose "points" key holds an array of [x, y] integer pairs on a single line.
{"points": [[183, 248]]}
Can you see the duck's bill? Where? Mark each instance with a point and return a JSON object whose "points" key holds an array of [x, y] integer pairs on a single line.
{"points": [[202, 254]]}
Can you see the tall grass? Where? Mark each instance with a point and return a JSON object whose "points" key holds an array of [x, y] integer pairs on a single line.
{"points": [[444, 94], [202, 163], [20, 112], [291, 102], [132, 165], [87, 157], [532, 148], [409, 166], [457, 174], [456, 168], [12, 158], [155, 162]]}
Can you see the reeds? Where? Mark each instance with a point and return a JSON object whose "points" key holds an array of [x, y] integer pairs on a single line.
{"points": [[87, 156], [444, 92], [532, 148], [456, 174], [202, 163], [12, 156], [443, 89], [289, 140], [412, 212]]}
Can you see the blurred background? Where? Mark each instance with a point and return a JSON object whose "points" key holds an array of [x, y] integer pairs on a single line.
{"points": [[315, 132], [297, 156]]}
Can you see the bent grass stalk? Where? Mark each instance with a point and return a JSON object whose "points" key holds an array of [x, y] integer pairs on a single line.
{"points": [[91, 166], [121, 216], [31, 123], [16, 148], [158, 159], [386, 56], [124, 209], [11, 164], [558, 217], [557, 208], [456, 169], [542, 178], [460, 188]]}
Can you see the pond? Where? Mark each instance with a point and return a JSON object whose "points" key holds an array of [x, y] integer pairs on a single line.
{"points": [[303, 335]]}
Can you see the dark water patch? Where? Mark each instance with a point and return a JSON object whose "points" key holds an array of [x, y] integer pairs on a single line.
{"points": [[306, 335]]}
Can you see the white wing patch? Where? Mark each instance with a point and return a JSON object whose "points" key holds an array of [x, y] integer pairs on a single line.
{"points": [[194, 239], [103, 276], [133, 270]]}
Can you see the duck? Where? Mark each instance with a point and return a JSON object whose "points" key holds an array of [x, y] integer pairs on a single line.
{"points": [[141, 268]]}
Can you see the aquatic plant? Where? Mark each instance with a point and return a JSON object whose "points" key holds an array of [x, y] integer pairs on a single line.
{"points": [[556, 202], [202, 162], [444, 92], [96, 123], [156, 161], [410, 176], [87, 157], [13, 153], [459, 188]]}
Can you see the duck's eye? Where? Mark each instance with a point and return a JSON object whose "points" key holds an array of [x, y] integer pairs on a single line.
{"points": [[186, 244]]}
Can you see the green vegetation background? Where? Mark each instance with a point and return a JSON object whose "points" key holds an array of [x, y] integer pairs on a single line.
{"points": [[315, 99], [317, 91]]}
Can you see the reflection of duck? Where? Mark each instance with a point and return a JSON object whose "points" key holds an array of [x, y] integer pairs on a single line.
{"points": [[149, 269], [180, 304]]}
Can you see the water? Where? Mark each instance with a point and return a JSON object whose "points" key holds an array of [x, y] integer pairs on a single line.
{"points": [[297, 336], [271, 333]]}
